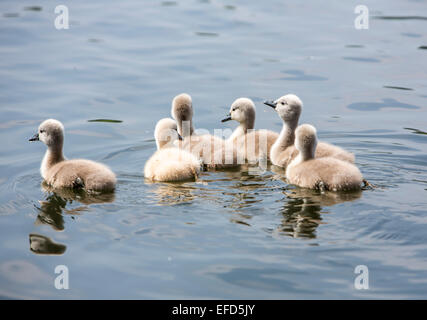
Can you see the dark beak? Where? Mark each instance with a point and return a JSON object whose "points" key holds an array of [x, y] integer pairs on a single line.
{"points": [[270, 104], [35, 137], [227, 119], [180, 137]]}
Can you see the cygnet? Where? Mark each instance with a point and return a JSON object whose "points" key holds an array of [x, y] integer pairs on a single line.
{"points": [[255, 144], [59, 172], [283, 151], [170, 163], [325, 173], [212, 150]]}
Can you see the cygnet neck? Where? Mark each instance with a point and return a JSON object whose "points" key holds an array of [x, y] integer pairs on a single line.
{"points": [[244, 126], [52, 156], [287, 135], [307, 153], [185, 128]]}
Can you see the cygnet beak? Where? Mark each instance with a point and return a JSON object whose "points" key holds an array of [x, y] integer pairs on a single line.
{"points": [[35, 137], [270, 104], [179, 137], [227, 119]]}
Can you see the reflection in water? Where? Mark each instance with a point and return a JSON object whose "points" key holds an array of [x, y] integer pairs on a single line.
{"points": [[302, 210], [245, 192], [241, 191], [241, 219], [50, 210], [173, 193], [239, 185], [80, 195], [324, 199], [301, 217], [43, 245]]}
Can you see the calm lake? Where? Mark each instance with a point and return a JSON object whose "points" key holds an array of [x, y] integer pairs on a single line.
{"points": [[232, 234]]}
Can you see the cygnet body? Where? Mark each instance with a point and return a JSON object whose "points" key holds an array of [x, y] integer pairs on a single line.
{"points": [[283, 151], [170, 163], [255, 144], [211, 150], [325, 173], [59, 172]]}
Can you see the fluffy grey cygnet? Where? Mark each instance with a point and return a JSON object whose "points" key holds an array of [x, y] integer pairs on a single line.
{"points": [[254, 144], [283, 151], [211, 150], [59, 172], [326, 173], [170, 163]]}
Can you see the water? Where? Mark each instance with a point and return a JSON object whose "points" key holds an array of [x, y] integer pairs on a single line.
{"points": [[232, 234]]}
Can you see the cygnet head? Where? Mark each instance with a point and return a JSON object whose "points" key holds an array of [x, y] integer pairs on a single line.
{"points": [[242, 110], [288, 107], [182, 110], [51, 133], [306, 140], [166, 133]]}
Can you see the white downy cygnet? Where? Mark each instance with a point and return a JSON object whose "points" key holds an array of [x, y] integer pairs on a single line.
{"points": [[327, 173], [212, 150], [59, 172], [254, 144], [283, 151], [170, 163]]}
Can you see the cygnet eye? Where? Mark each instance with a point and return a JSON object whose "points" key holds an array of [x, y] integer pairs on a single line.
{"points": [[283, 103], [41, 131]]}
